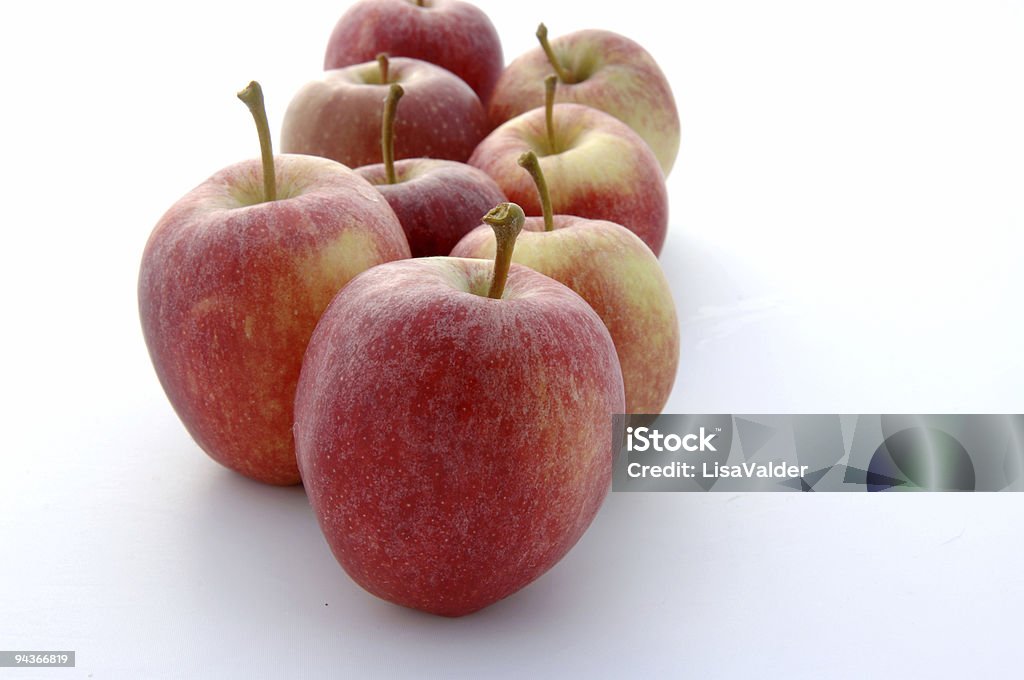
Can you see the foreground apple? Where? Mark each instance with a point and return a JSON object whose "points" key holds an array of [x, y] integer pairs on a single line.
{"points": [[596, 166], [600, 69], [449, 33], [232, 283], [453, 428], [616, 274], [338, 116], [438, 202]]}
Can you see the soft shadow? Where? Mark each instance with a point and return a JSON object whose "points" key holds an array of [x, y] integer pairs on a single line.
{"points": [[248, 537], [256, 558]]}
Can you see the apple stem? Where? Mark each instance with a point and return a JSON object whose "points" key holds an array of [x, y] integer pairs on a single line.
{"points": [[549, 110], [529, 162], [387, 135], [252, 95], [421, 3], [507, 220], [382, 61], [563, 75]]}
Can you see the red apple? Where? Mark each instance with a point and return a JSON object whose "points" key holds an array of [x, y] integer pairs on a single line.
{"points": [[338, 116], [600, 69], [438, 202], [619, 276], [453, 433], [596, 166], [233, 280], [449, 33]]}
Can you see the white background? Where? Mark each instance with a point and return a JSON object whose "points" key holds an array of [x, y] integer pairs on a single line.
{"points": [[846, 219]]}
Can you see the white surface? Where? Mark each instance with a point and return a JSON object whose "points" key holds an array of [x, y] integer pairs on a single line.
{"points": [[846, 237]]}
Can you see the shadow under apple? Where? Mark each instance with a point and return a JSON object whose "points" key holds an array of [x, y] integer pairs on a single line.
{"points": [[257, 551]]}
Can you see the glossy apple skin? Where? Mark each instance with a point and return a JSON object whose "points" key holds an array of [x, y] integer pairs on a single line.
{"points": [[338, 116], [620, 278], [605, 171], [455, 447], [621, 79], [455, 35], [438, 202], [231, 289]]}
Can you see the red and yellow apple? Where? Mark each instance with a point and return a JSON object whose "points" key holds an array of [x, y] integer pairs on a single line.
{"points": [[453, 427], [338, 115], [595, 165], [453, 34], [618, 276], [233, 280], [600, 69]]}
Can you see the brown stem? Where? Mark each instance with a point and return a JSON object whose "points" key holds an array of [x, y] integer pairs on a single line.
{"points": [[530, 163], [563, 74], [507, 220], [382, 61], [387, 133], [252, 95], [549, 111]]}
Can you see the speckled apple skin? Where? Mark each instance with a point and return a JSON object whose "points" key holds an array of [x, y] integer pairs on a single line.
{"points": [[455, 447], [438, 202], [607, 173], [620, 278], [455, 35], [229, 295], [623, 80], [338, 115]]}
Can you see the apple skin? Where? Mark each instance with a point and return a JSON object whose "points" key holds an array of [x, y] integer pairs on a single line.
{"points": [[438, 202], [230, 290], [455, 447], [621, 79], [338, 116], [620, 278], [455, 35], [605, 171]]}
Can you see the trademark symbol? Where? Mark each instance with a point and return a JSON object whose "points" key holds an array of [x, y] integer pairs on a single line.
{"points": [[718, 429]]}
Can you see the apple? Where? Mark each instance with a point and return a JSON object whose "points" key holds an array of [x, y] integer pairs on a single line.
{"points": [[455, 35], [338, 116], [233, 280], [619, 276], [453, 425], [436, 201], [600, 69], [596, 165]]}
